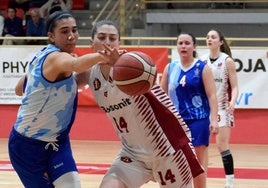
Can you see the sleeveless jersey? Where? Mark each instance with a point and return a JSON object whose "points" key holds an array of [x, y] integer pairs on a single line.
{"points": [[220, 75], [148, 125], [48, 108], [186, 90]]}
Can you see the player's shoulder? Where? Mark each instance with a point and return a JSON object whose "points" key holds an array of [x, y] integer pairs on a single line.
{"points": [[227, 58], [199, 63]]}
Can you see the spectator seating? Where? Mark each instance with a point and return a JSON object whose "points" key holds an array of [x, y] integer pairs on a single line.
{"points": [[20, 13], [78, 5], [4, 4]]}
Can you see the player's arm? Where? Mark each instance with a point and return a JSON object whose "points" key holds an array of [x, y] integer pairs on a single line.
{"points": [[230, 65], [59, 65], [19, 88], [210, 89], [164, 79]]}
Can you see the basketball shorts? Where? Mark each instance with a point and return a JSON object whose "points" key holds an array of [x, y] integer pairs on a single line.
{"points": [[173, 171], [225, 118], [200, 131], [37, 163]]}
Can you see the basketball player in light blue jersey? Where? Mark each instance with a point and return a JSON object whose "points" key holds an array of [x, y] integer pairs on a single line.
{"points": [[39, 144], [189, 83]]}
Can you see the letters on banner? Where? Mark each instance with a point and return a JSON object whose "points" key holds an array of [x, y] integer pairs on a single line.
{"points": [[251, 66]]}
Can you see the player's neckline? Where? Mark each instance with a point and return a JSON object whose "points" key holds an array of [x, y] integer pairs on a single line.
{"points": [[213, 60]]}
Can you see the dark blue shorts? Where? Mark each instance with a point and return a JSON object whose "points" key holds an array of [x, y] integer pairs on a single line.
{"points": [[37, 165], [200, 131]]}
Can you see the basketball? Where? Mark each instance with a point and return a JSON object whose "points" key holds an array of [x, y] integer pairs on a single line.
{"points": [[134, 73]]}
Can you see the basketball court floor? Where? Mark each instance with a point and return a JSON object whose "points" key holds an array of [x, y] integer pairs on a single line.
{"points": [[94, 158]]}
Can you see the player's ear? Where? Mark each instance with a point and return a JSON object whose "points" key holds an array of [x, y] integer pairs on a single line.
{"points": [[91, 43], [51, 37]]}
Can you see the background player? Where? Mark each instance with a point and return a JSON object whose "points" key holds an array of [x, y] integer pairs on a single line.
{"points": [[189, 83], [219, 59]]}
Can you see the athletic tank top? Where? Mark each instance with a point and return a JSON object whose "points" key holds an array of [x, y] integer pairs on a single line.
{"points": [[148, 125], [186, 90], [48, 108], [221, 80]]}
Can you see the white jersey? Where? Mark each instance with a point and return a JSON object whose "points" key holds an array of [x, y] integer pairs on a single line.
{"points": [[221, 79], [148, 125]]}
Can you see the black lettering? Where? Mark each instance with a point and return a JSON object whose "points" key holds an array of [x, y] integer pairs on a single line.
{"points": [[249, 66], [24, 66], [5, 66], [259, 66], [240, 65], [14, 66], [125, 102]]}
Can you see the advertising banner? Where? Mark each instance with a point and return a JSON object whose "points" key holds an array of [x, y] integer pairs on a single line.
{"points": [[251, 66], [14, 63], [15, 60]]}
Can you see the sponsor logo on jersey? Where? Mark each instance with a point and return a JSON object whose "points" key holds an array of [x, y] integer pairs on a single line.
{"points": [[126, 159], [220, 65], [218, 80], [124, 102], [97, 84]]}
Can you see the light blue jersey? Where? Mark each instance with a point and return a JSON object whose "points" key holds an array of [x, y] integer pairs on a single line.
{"points": [[186, 90], [48, 108]]}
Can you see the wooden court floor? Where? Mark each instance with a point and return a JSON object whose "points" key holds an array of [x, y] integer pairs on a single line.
{"points": [[94, 157]]}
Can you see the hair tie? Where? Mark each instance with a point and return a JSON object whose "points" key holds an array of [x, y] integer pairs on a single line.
{"points": [[58, 15]]}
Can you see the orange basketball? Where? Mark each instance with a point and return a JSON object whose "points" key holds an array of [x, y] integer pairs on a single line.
{"points": [[134, 73]]}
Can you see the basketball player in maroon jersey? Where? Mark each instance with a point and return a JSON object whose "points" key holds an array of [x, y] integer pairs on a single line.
{"points": [[155, 140]]}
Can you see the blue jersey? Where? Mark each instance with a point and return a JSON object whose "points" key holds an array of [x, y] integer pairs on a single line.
{"points": [[187, 91], [48, 108]]}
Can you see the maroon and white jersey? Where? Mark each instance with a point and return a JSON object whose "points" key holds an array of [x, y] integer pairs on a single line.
{"points": [[148, 125], [221, 80]]}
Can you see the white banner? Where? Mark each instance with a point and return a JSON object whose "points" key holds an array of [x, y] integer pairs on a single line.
{"points": [[251, 67], [14, 63]]}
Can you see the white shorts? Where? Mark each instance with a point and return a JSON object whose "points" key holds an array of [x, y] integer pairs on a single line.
{"points": [[225, 118], [170, 172]]}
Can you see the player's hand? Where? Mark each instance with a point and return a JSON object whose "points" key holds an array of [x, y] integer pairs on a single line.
{"points": [[121, 52], [214, 127], [110, 54], [230, 108]]}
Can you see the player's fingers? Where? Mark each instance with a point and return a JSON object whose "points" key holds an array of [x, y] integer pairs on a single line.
{"points": [[121, 52], [214, 129]]}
